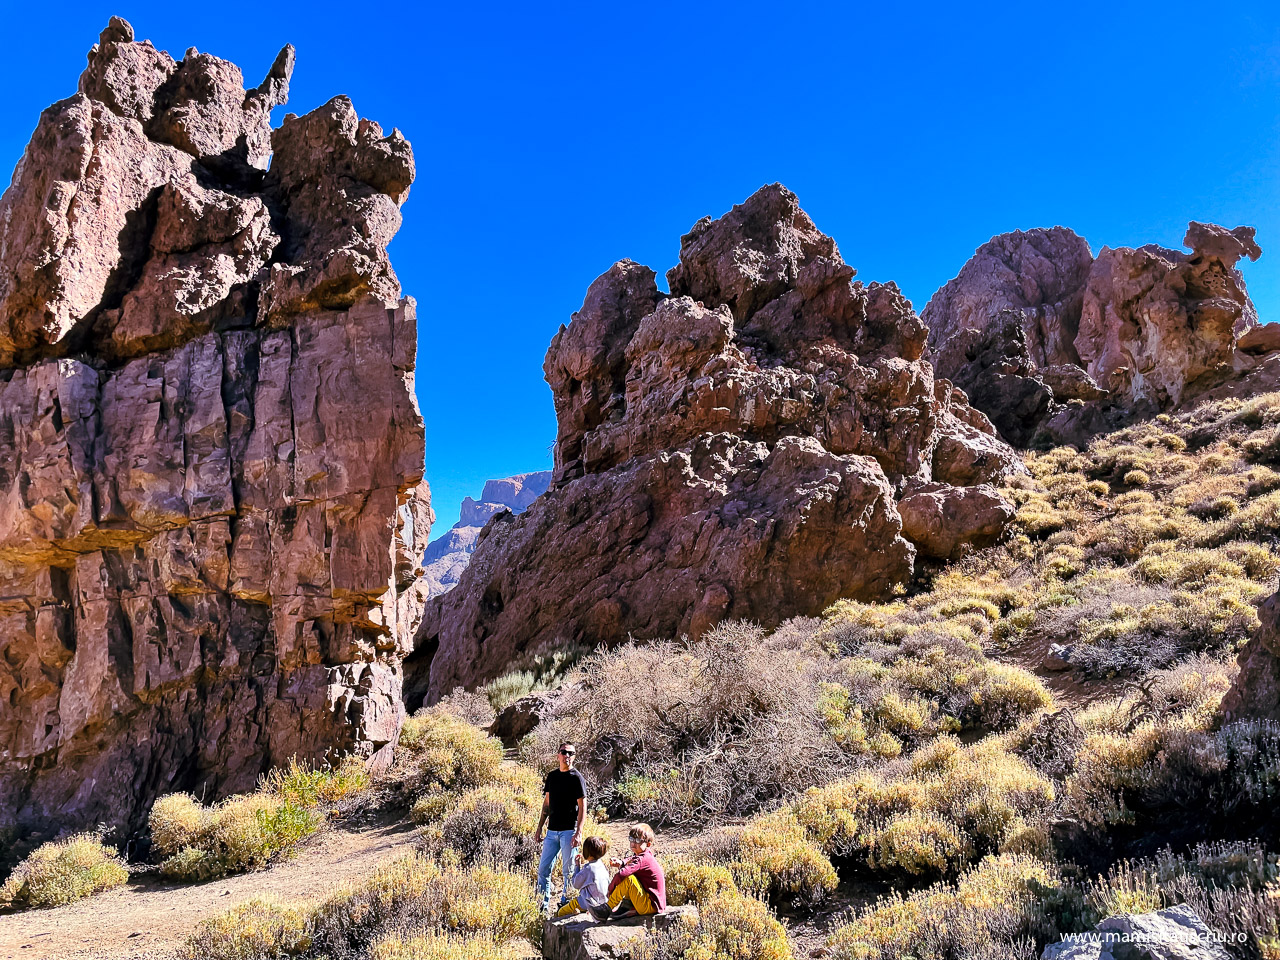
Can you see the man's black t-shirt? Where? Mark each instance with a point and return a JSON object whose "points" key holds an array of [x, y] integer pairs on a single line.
{"points": [[565, 789]]}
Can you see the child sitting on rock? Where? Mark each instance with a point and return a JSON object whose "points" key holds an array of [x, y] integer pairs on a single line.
{"points": [[639, 887], [592, 879]]}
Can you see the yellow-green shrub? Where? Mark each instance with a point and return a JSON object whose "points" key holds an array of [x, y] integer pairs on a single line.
{"points": [[435, 946], [241, 833], [258, 929], [416, 893], [948, 805], [697, 883], [62, 872], [729, 927], [773, 857], [920, 843], [449, 751], [309, 786], [994, 902]]}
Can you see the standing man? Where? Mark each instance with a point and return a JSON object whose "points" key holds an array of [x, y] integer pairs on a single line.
{"points": [[564, 807]]}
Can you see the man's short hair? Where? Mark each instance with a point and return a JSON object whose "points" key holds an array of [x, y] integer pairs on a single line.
{"points": [[593, 848], [641, 833], [567, 743]]}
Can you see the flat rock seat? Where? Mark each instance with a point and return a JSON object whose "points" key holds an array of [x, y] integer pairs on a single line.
{"points": [[581, 937]]}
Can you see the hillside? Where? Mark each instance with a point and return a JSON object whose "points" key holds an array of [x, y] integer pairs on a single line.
{"points": [[918, 760]]}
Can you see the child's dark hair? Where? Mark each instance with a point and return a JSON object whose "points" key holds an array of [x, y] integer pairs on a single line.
{"points": [[593, 848]]}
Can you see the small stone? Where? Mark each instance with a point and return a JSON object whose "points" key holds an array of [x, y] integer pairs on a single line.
{"points": [[1058, 657]]}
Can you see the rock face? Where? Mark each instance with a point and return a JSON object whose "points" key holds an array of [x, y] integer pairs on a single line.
{"points": [[581, 938], [1174, 933], [211, 496], [447, 556], [1052, 343], [735, 449], [1255, 695]]}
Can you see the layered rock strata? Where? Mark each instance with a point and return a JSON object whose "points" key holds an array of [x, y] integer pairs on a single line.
{"points": [[211, 496], [448, 555], [1054, 343], [734, 449]]}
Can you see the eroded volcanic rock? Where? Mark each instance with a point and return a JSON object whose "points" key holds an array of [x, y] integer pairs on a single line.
{"points": [[211, 496], [1255, 694], [734, 449], [1054, 344]]}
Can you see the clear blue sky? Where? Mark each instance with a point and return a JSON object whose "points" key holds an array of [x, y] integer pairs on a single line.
{"points": [[553, 139]]}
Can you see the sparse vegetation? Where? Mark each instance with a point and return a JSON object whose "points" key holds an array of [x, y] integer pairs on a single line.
{"points": [[199, 842], [901, 745], [62, 872], [413, 906]]}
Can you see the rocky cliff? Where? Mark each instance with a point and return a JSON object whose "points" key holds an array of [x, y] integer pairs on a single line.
{"points": [[211, 504], [1054, 343], [448, 555], [737, 448]]}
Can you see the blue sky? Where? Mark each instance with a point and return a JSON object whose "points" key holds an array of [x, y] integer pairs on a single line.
{"points": [[553, 139]]}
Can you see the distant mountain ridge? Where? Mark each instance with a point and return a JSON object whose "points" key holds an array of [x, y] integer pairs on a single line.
{"points": [[448, 555]]}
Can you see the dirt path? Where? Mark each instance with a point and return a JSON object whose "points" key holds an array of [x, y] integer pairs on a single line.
{"points": [[148, 919]]}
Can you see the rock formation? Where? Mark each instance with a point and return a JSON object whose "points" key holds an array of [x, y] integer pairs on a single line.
{"points": [[735, 449], [447, 556], [1255, 694], [1054, 343], [211, 503]]}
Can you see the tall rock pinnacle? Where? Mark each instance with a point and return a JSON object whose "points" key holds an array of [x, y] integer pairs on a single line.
{"points": [[211, 496]]}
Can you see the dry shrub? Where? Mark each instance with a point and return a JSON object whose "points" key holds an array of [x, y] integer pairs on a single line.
{"points": [[415, 896], [991, 911], [62, 872], [449, 752], [241, 833], [729, 927], [697, 730], [931, 815], [732, 723], [258, 929]]}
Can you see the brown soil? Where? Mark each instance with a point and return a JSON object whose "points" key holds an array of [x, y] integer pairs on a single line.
{"points": [[148, 918]]}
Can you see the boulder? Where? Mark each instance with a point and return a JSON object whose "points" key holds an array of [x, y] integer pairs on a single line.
{"points": [[1255, 693], [1261, 339], [944, 522], [518, 720], [733, 449], [1174, 933], [582, 938], [211, 495]]}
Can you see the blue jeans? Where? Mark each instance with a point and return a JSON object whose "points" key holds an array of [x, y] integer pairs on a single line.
{"points": [[556, 842]]}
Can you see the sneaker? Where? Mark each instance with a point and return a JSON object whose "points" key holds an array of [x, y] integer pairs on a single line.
{"points": [[601, 912]]}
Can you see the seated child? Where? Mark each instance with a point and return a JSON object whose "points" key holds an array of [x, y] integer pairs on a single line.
{"points": [[591, 880], [639, 887]]}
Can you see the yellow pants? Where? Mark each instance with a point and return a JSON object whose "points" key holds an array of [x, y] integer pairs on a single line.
{"points": [[569, 908], [630, 889]]}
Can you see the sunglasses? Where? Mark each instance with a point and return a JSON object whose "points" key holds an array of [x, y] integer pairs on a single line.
{"points": [[568, 753]]}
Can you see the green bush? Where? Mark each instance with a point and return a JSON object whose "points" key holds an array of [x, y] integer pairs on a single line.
{"points": [[62, 872], [241, 833]]}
